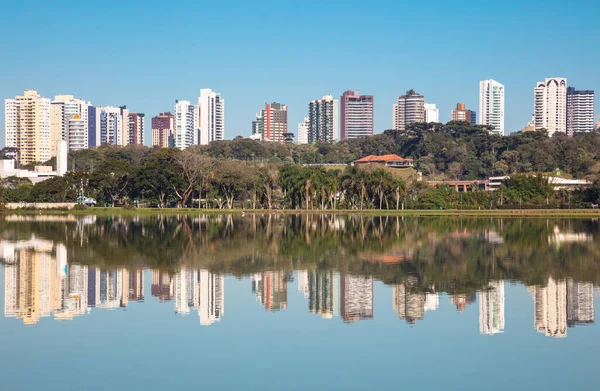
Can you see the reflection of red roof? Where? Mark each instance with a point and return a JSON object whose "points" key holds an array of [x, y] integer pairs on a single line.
{"points": [[382, 159]]}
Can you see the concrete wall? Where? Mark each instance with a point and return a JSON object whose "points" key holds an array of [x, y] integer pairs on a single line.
{"points": [[41, 205]]}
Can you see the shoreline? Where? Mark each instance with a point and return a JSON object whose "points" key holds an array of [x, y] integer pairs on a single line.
{"points": [[110, 211]]}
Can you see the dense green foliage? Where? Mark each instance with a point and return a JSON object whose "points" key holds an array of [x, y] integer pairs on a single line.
{"points": [[249, 174]]}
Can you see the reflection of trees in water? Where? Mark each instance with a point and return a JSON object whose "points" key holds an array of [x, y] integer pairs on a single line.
{"points": [[456, 255]]}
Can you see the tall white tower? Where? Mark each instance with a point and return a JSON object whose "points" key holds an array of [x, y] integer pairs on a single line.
{"points": [[212, 116], [491, 105], [550, 105]]}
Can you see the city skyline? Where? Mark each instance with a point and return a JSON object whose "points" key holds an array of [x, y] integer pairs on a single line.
{"points": [[518, 58]]}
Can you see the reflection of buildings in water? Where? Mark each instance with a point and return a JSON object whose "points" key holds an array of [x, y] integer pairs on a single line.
{"points": [[492, 237], [303, 282], [136, 285], [461, 301], [39, 282], [184, 288], [108, 288], [324, 288], [491, 308], [270, 289], [580, 303], [212, 297], [550, 308], [559, 237], [200, 289], [411, 306], [161, 285], [562, 304], [356, 298], [32, 283]]}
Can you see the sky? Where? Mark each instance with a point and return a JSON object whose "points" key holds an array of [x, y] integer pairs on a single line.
{"points": [[146, 54]]}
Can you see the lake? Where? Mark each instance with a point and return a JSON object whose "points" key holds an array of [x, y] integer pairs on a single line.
{"points": [[297, 302]]}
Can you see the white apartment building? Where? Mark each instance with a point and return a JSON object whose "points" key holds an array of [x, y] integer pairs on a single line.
{"points": [[112, 125], [76, 134], [303, 131], [27, 126], [550, 105], [432, 113], [185, 125], [491, 105], [580, 111], [211, 116], [65, 107]]}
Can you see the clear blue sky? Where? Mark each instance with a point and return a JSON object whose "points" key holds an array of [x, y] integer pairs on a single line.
{"points": [[146, 54]]}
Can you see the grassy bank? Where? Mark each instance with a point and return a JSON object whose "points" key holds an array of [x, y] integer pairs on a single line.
{"points": [[174, 211]]}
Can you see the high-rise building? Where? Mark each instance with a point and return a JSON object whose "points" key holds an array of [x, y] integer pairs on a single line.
{"points": [[550, 105], [432, 114], [163, 126], [185, 126], [109, 126], [462, 114], [491, 308], [323, 293], [63, 109], [409, 109], [550, 308], [76, 134], [491, 105], [580, 111], [27, 127], [136, 128], [92, 123], [323, 117], [211, 108], [356, 115], [356, 298], [272, 124], [303, 131]]}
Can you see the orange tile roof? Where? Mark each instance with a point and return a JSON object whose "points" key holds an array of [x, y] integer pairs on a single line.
{"points": [[382, 159]]}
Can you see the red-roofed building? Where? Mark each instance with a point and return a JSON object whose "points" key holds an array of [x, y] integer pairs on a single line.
{"points": [[393, 161]]}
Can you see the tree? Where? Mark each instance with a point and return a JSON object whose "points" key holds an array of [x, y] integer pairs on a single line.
{"points": [[111, 179], [160, 174], [194, 169]]}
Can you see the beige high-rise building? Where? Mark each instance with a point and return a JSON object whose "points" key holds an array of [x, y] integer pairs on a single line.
{"points": [[409, 109], [27, 127]]}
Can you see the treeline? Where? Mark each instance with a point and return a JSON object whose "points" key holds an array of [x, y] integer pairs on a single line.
{"points": [[163, 177], [243, 173], [456, 150]]}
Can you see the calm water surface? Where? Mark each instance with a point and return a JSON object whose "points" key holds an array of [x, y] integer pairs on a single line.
{"points": [[298, 302]]}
